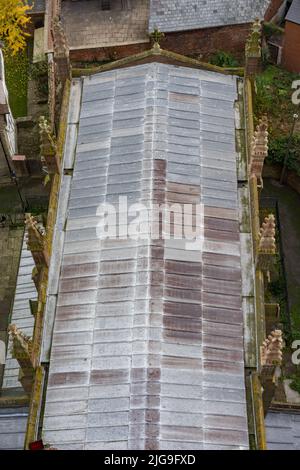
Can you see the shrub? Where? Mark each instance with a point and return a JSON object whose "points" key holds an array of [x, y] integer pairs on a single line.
{"points": [[224, 59], [295, 384], [39, 72], [271, 29]]}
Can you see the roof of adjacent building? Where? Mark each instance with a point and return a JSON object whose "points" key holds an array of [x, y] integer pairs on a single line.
{"points": [[283, 430], [293, 14], [180, 15], [147, 350], [21, 314], [13, 422], [38, 6]]}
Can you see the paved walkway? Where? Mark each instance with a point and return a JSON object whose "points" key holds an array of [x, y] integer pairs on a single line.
{"points": [[289, 202], [88, 26]]}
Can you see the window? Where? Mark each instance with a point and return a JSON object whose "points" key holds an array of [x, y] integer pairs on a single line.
{"points": [[105, 4]]}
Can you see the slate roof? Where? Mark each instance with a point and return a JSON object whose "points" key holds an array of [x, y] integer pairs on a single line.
{"points": [[147, 349], [180, 15], [293, 14], [283, 430]]}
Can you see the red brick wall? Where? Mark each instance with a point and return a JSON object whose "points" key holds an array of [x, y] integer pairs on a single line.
{"points": [[291, 47], [113, 53], [204, 42], [201, 42], [273, 9]]}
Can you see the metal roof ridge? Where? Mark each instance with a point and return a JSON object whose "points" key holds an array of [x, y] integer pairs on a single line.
{"points": [[156, 50]]}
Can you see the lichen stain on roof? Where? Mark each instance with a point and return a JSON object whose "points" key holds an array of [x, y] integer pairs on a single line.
{"points": [[147, 349], [180, 15]]}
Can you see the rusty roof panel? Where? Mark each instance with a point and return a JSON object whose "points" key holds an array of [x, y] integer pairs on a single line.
{"points": [[148, 335]]}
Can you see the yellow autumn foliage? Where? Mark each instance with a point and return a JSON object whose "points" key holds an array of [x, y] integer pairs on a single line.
{"points": [[13, 21]]}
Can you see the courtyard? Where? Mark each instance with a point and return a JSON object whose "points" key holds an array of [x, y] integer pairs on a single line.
{"points": [[88, 26]]}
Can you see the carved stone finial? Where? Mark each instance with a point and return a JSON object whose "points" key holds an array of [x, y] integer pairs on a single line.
{"points": [[35, 232], [253, 44], [156, 37], [21, 344], [271, 350], [259, 148], [48, 147], [267, 242], [47, 139], [271, 360], [253, 50], [21, 349], [36, 241]]}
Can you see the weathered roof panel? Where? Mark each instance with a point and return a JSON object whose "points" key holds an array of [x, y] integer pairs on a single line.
{"points": [[180, 15], [147, 347]]}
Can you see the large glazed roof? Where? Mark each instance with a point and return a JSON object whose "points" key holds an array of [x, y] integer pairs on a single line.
{"points": [[147, 349], [180, 15]]}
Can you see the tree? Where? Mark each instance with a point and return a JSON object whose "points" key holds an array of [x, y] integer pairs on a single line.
{"points": [[13, 21]]}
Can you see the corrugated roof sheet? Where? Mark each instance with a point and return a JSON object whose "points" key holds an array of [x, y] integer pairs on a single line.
{"points": [[147, 348], [293, 14], [283, 430], [180, 15]]}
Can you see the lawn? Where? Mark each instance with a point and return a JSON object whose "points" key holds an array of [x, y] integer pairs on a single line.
{"points": [[10, 200], [16, 75]]}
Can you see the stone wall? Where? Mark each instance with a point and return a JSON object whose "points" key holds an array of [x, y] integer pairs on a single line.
{"points": [[204, 42]]}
